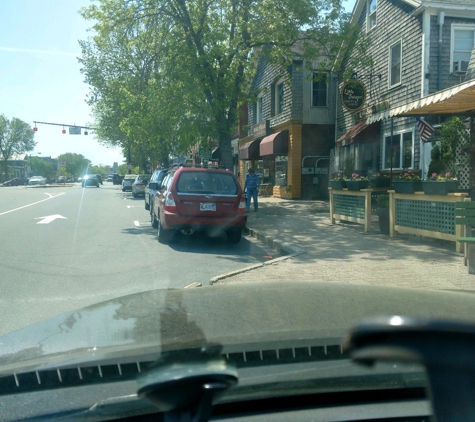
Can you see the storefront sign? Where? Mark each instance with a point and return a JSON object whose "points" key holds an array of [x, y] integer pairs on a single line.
{"points": [[353, 95], [261, 129]]}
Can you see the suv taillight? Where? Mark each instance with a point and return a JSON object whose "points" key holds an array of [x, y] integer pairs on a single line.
{"points": [[169, 203], [242, 205]]}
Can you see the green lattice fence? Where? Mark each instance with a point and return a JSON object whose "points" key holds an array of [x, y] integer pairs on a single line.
{"points": [[350, 205], [426, 215]]}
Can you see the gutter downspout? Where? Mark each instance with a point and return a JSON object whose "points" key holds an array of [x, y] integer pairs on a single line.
{"points": [[440, 22]]}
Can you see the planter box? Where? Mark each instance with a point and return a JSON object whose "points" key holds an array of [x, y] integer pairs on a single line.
{"points": [[382, 182], [407, 186], [431, 187], [338, 184], [357, 184]]}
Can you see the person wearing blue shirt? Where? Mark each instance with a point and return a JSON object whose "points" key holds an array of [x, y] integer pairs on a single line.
{"points": [[252, 185]]}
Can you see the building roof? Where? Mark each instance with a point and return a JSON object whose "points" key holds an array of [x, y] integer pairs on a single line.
{"points": [[17, 157]]}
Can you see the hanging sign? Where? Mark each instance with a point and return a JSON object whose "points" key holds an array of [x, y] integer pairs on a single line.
{"points": [[353, 95]]}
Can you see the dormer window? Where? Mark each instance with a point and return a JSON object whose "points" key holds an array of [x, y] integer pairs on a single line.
{"points": [[258, 110], [371, 7]]}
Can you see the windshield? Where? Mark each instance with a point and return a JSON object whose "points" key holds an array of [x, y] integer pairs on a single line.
{"points": [[277, 171]]}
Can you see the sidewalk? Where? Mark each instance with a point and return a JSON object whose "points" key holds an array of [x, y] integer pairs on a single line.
{"points": [[344, 253]]}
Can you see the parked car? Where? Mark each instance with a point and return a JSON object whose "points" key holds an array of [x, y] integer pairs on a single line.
{"points": [[110, 178], [127, 182], [61, 179], [37, 180], [117, 179], [157, 177], [17, 181], [192, 199], [138, 187], [90, 180]]}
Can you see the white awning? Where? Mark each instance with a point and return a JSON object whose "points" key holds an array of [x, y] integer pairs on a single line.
{"points": [[457, 100]]}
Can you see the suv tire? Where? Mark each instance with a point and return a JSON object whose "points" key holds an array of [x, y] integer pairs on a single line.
{"points": [[162, 234], [234, 235]]}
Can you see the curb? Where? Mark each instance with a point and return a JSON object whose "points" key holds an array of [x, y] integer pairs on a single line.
{"points": [[287, 249]]}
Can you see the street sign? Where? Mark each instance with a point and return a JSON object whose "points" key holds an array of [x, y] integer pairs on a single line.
{"points": [[62, 164], [205, 153], [74, 130], [129, 166]]}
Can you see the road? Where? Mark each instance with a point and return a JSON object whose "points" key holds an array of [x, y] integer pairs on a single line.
{"points": [[95, 244]]}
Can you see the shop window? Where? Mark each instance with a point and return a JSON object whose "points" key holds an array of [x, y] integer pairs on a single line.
{"points": [[395, 55], [319, 90], [258, 106], [371, 7], [279, 97], [400, 150], [463, 38], [281, 163]]}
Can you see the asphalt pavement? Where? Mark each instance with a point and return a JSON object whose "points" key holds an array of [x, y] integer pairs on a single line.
{"points": [[344, 253]]}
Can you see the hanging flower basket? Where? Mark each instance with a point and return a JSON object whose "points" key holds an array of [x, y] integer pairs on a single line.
{"points": [[356, 185], [407, 186], [338, 184], [432, 187]]}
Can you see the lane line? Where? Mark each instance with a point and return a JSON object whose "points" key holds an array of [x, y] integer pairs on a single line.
{"points": [[137, 224], [34, 203]]}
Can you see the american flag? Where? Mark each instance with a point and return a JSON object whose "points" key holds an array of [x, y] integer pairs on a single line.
{"points": [[425, 129]]}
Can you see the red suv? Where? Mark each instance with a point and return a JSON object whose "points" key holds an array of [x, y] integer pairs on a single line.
{"points": [[191, 199]]}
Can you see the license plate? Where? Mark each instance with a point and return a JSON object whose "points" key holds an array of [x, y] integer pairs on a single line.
{"points": [[208, 206]]}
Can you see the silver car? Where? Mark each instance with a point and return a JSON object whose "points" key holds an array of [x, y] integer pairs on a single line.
{"points": [[129, 179], [138, 187], [37, 180]]}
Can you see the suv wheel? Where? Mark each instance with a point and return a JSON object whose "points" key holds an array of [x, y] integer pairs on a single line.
{"points": [[234, 235], [162, 234]]}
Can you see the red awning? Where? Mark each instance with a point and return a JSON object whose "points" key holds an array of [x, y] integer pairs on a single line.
{"points": [[249, 151], [275, 144], [361, 132]]}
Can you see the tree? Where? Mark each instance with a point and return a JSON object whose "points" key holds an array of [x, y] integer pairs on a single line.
{"points": [[76, 164], [16, 137], [180, 70], [40, 167]]}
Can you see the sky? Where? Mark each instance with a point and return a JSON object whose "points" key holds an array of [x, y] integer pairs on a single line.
{"points": [[40, 78]]}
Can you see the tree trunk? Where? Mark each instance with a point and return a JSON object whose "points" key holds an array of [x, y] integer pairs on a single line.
{"points": [[472, 158], [226, 152], [5, 169]]}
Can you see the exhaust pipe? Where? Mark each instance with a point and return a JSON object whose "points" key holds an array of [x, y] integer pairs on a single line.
{"points": [[188, 231]]}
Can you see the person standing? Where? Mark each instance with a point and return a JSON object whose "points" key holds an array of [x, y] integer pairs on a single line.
{"points": [[252, 185]]}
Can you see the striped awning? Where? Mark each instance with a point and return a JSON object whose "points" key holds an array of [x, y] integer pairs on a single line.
{"points": [[457, 100]]}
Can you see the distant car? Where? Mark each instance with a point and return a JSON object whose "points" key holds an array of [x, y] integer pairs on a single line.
{"points": [[127, 182], [17, 181], [61, 179], [90, 180], [37, 180], [117, 179], [192, 199], [157, 177], [110, 178], [138, 187]]}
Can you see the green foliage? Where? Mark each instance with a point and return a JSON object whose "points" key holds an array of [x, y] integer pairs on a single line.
{"points": [[76, 164], [349, 166], [168, 75], [452, 134], [16, 137], [382, 201], [40, 167]]}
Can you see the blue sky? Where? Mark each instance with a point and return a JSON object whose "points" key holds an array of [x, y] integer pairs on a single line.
{"points": [[40, 78]]}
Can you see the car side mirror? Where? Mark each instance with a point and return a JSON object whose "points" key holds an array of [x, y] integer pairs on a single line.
{"points": [[153, 185]]}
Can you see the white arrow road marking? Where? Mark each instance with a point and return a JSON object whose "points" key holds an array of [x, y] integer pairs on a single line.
{"points": [[34, 203], [48, 219], [137, 224]]}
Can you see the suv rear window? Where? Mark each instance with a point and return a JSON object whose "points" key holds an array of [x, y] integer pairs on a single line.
{"points": [[206, 182]]}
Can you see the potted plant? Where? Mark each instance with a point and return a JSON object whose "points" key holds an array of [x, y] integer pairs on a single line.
{"points": [[407, 182], [440, 184], [357, 182], [382, 209], [379, 180], [338, 181]]}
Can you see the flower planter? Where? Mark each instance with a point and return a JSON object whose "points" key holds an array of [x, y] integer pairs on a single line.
{"points": [[337, 184], [432, 187], [357, 184], [383, 214], [382, 182], [407, 186]]}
